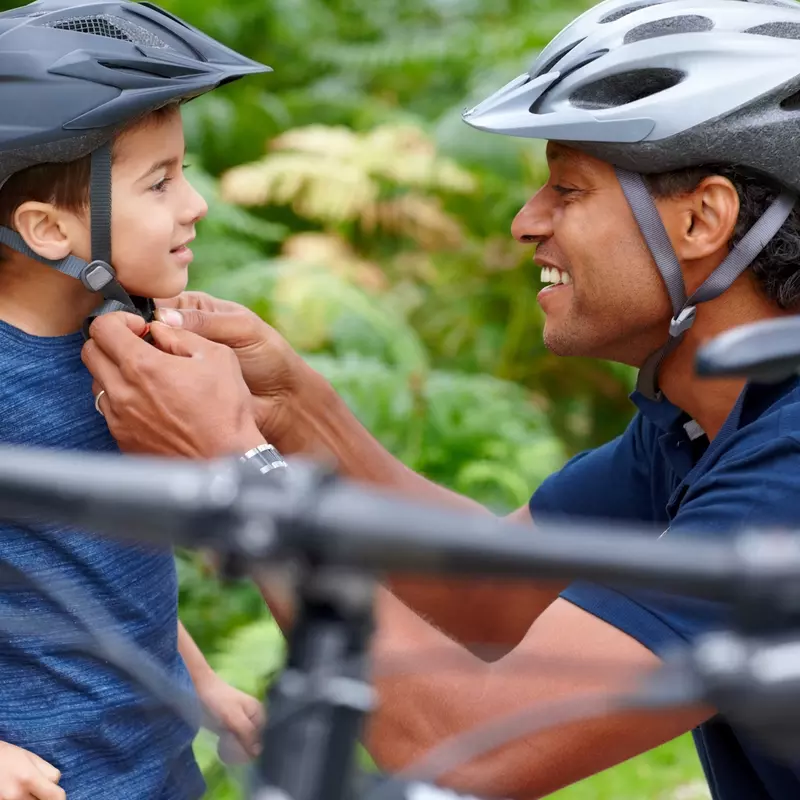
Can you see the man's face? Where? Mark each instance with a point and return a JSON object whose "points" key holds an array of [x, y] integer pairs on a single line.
{"points": [[613, 304]]}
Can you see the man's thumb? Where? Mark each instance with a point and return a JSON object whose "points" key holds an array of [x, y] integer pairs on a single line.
{"points": [[216, 326], [170, 316], [173, 341]]}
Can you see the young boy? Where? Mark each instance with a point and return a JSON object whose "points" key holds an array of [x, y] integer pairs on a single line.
{"points": [[84, 86]]}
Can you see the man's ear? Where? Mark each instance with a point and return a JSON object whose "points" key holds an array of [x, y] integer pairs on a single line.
{"points": [[701, 223], [44, 229]]}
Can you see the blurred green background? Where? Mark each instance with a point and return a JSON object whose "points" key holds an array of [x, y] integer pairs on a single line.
{"points": [[353, 209]]}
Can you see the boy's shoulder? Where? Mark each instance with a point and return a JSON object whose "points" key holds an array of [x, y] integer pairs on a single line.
{"points": [[46, 393]]}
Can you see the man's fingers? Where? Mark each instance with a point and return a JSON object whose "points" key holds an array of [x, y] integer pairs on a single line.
{"points": [[119, 334], [177, 342], [105, 372], [230, 328]]}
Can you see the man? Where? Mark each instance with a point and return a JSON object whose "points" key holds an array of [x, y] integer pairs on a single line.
{"points": [[672, 127]]}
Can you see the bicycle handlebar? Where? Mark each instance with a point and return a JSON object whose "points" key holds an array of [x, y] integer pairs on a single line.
{"points": [[331, 525], [767, 351], [307, 511]]}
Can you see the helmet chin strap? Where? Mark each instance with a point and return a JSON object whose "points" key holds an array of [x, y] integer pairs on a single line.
{"points": [[99, 272], [684, 308], [97, 275]]}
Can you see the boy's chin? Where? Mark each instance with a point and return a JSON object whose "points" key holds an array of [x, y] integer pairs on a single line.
{"points": [[166, 289]]}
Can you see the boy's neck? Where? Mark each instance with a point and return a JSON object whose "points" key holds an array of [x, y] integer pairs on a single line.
{"points": [[40, 300]]}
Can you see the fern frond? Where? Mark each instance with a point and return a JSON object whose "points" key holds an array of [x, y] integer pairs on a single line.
{"points": [[420, 218], [335, 253], [406, 156], [316, 187], [333, 175], [332, 141]]}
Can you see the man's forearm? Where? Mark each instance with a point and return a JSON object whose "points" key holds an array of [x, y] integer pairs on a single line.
{"points": [[325, 426], [491, 613]]}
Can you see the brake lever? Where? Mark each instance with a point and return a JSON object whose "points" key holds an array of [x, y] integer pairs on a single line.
{"points": [[766, 352]]}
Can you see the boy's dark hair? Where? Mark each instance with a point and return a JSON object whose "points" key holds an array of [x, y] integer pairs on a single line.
{"points": [[64, 185], [777, 266]]}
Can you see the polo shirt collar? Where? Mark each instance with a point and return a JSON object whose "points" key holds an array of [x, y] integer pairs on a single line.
{"points": [[664, 415]]}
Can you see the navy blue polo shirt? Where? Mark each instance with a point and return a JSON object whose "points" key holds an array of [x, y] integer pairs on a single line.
{"points": [[663, 472]]}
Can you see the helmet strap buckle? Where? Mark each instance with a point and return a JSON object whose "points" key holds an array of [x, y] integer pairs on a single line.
{"points": [[97, 275], [682, 321]]}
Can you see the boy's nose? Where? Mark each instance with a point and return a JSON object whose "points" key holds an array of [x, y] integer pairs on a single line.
{"points": [[199, 207]]}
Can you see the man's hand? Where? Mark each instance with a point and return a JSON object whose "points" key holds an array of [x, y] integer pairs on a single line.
{"points": [[274, 373], [25, 776], [185, 397], [239, 719]]}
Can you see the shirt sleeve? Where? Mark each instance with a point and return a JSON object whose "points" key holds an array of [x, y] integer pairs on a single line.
{"points": [[758, 487], [610, 482]]}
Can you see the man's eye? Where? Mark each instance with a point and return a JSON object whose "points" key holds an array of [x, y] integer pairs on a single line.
{"points": [[563, 190]]}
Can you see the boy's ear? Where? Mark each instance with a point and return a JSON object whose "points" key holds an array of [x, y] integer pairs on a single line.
{"points": [[44, 229]]}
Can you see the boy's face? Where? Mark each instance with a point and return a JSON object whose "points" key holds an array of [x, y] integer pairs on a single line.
{"points": [[153, 208]]}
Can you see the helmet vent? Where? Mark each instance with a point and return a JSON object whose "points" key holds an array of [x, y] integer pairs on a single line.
{"points": [[665, 27], [627, 87], [792, 102], [779, 30], [548, 67], [585, 61], [109, 27], [623, 12]]}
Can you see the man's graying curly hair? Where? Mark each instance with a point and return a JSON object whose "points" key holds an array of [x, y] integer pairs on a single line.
{"points": [[777, 266]]}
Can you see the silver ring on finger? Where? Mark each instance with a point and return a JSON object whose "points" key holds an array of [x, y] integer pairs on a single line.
{"points": [[97, 402]]}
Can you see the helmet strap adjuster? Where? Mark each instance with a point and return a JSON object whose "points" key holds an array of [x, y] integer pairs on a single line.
{"points": [[97, 275], [683, 321]]}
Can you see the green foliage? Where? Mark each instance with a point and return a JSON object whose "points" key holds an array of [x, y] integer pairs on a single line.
{"points": [[473, 433], [670, 772]]}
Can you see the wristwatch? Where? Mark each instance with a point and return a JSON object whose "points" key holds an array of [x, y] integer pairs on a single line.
{"points": [[264, 458]]}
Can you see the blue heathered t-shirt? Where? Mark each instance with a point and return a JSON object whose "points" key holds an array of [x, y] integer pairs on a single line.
{"points": [[109, 738], [662, 471]]}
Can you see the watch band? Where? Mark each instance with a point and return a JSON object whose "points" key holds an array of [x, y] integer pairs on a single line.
{"points": [[264, 458]]}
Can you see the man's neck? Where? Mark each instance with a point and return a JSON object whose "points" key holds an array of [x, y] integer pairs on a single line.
{"points": [[40, 300], [710, 402]]}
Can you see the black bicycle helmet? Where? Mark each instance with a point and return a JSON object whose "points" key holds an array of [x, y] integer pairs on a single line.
{"points": [[73, 74]]}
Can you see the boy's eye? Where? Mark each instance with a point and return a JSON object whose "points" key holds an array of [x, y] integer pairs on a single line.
{"points": [[161, 185]]}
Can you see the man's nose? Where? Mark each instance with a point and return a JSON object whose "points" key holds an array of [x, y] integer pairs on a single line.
{"points": [[534, 221]]}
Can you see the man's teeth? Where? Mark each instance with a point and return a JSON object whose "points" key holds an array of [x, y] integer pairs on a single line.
{"points": [[555, 276]]}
